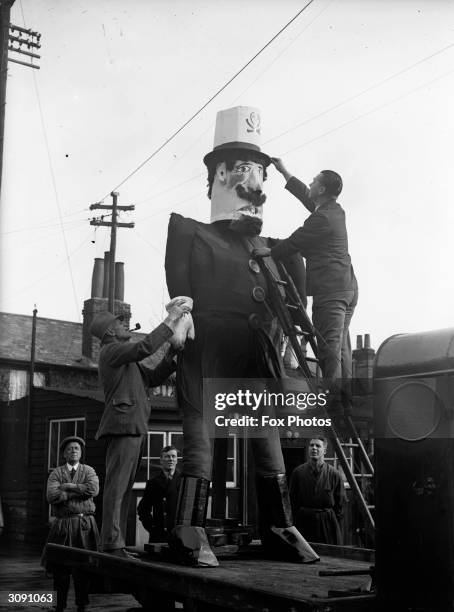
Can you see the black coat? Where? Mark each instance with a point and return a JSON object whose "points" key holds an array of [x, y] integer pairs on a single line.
{"points": [[126, 381], [157, 508], [322, 240]]}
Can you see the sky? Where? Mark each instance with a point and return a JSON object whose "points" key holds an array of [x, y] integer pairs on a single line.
{"points": [[362, 87]]}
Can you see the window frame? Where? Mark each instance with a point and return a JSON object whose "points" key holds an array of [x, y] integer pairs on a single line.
{"points": [[59, 421]]}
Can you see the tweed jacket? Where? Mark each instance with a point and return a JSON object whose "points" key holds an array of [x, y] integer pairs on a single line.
{"points": [[323, 241], [125, 382]]}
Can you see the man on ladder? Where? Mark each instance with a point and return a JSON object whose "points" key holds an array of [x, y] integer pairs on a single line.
{"points": [[322, 240]]}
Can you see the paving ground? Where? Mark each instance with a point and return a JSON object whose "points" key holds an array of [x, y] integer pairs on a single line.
{"points": [[20, 570]]}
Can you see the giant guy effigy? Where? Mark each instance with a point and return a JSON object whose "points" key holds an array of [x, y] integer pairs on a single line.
{"points": [[236, 333]]}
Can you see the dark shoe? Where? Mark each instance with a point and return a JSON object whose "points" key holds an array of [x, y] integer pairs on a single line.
{"points": [[82, 609]]}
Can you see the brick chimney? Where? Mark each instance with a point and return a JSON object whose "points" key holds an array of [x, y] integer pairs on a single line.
{"points": [[98, 302]]}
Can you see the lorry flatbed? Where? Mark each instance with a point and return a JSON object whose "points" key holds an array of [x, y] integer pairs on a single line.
{"points": [[239, 583]]}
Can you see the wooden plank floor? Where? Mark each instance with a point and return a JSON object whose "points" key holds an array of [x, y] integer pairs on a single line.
{"points": [[241, 584], [20, 570]]}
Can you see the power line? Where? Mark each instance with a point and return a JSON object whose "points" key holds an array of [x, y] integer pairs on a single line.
{"points": [[268, 66], [209, 101], [54, 183], [360, 93], [38, 227], [49, 273], [314, 117], [370, 112]]}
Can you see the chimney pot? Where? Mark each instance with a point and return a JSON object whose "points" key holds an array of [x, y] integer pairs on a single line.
{"points": [[359, 342], [97, 279]]}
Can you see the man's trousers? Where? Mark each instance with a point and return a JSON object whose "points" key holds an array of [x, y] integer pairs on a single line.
{"points": [[331, 316], [122, 460]]}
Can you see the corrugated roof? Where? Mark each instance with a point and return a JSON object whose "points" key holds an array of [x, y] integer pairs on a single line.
{"points": [[57, 342]]}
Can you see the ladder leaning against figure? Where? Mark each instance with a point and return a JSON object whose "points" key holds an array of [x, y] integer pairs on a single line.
{"points": [[295, 322]]}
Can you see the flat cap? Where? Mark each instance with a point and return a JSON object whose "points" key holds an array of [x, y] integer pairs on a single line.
{"points": [[69, 439], [102, 322]]}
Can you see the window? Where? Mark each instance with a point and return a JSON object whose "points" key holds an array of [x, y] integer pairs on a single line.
{"points": [[232, 461], [59, 429], [156, 440]]}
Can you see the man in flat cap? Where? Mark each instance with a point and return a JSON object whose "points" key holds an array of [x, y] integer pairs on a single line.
{"points": [[124, 423], [71, 489]]}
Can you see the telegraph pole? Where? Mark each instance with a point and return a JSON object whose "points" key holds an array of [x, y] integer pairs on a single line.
{"points": [[5, 12], [19, 41], [113, 239]]}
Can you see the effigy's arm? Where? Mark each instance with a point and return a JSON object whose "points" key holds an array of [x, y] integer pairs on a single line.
{"points": [[178, 254]]}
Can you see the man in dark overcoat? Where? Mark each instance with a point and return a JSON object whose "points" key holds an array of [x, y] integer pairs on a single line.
{"points": [[317, 494], [157, 508]]}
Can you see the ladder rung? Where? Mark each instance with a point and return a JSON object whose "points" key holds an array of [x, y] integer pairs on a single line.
{"points": [[292, 307], [281, 282], [363, 475], [371, 507], [349, 444]]}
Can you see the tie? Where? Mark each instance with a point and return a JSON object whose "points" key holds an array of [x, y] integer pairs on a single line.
{"points": [[73, 471]]}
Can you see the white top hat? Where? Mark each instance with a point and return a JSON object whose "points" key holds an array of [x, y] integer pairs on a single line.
{"points": [[237, 128]]}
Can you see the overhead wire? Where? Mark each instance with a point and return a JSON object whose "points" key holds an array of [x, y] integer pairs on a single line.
{"points": [[50, 272], [220, 90], [53, 179], [318, 115], [361, 93], [251, 84], [371, 111]]}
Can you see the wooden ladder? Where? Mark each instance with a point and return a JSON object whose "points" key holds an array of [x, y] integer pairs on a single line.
{"points": [[287, 305]]}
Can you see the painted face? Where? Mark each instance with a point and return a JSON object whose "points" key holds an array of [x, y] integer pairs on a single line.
{"points": [[317, 449], [72, 452], [169, 461], [237, 193]]}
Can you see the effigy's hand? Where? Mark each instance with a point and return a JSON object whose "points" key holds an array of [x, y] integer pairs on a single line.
{"points": [[183, 329], [261, 252]]}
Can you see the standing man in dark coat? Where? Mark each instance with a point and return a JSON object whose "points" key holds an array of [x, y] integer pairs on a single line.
{"points": [[317, 494], [158, 506], [70, 489], [322, 240], [124, 422]]}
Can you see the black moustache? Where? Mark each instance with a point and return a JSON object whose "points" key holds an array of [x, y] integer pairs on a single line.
{"points": [[256, 197]]}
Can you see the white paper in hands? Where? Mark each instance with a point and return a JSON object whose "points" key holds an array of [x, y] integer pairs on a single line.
{"points": [[184, 326]]}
